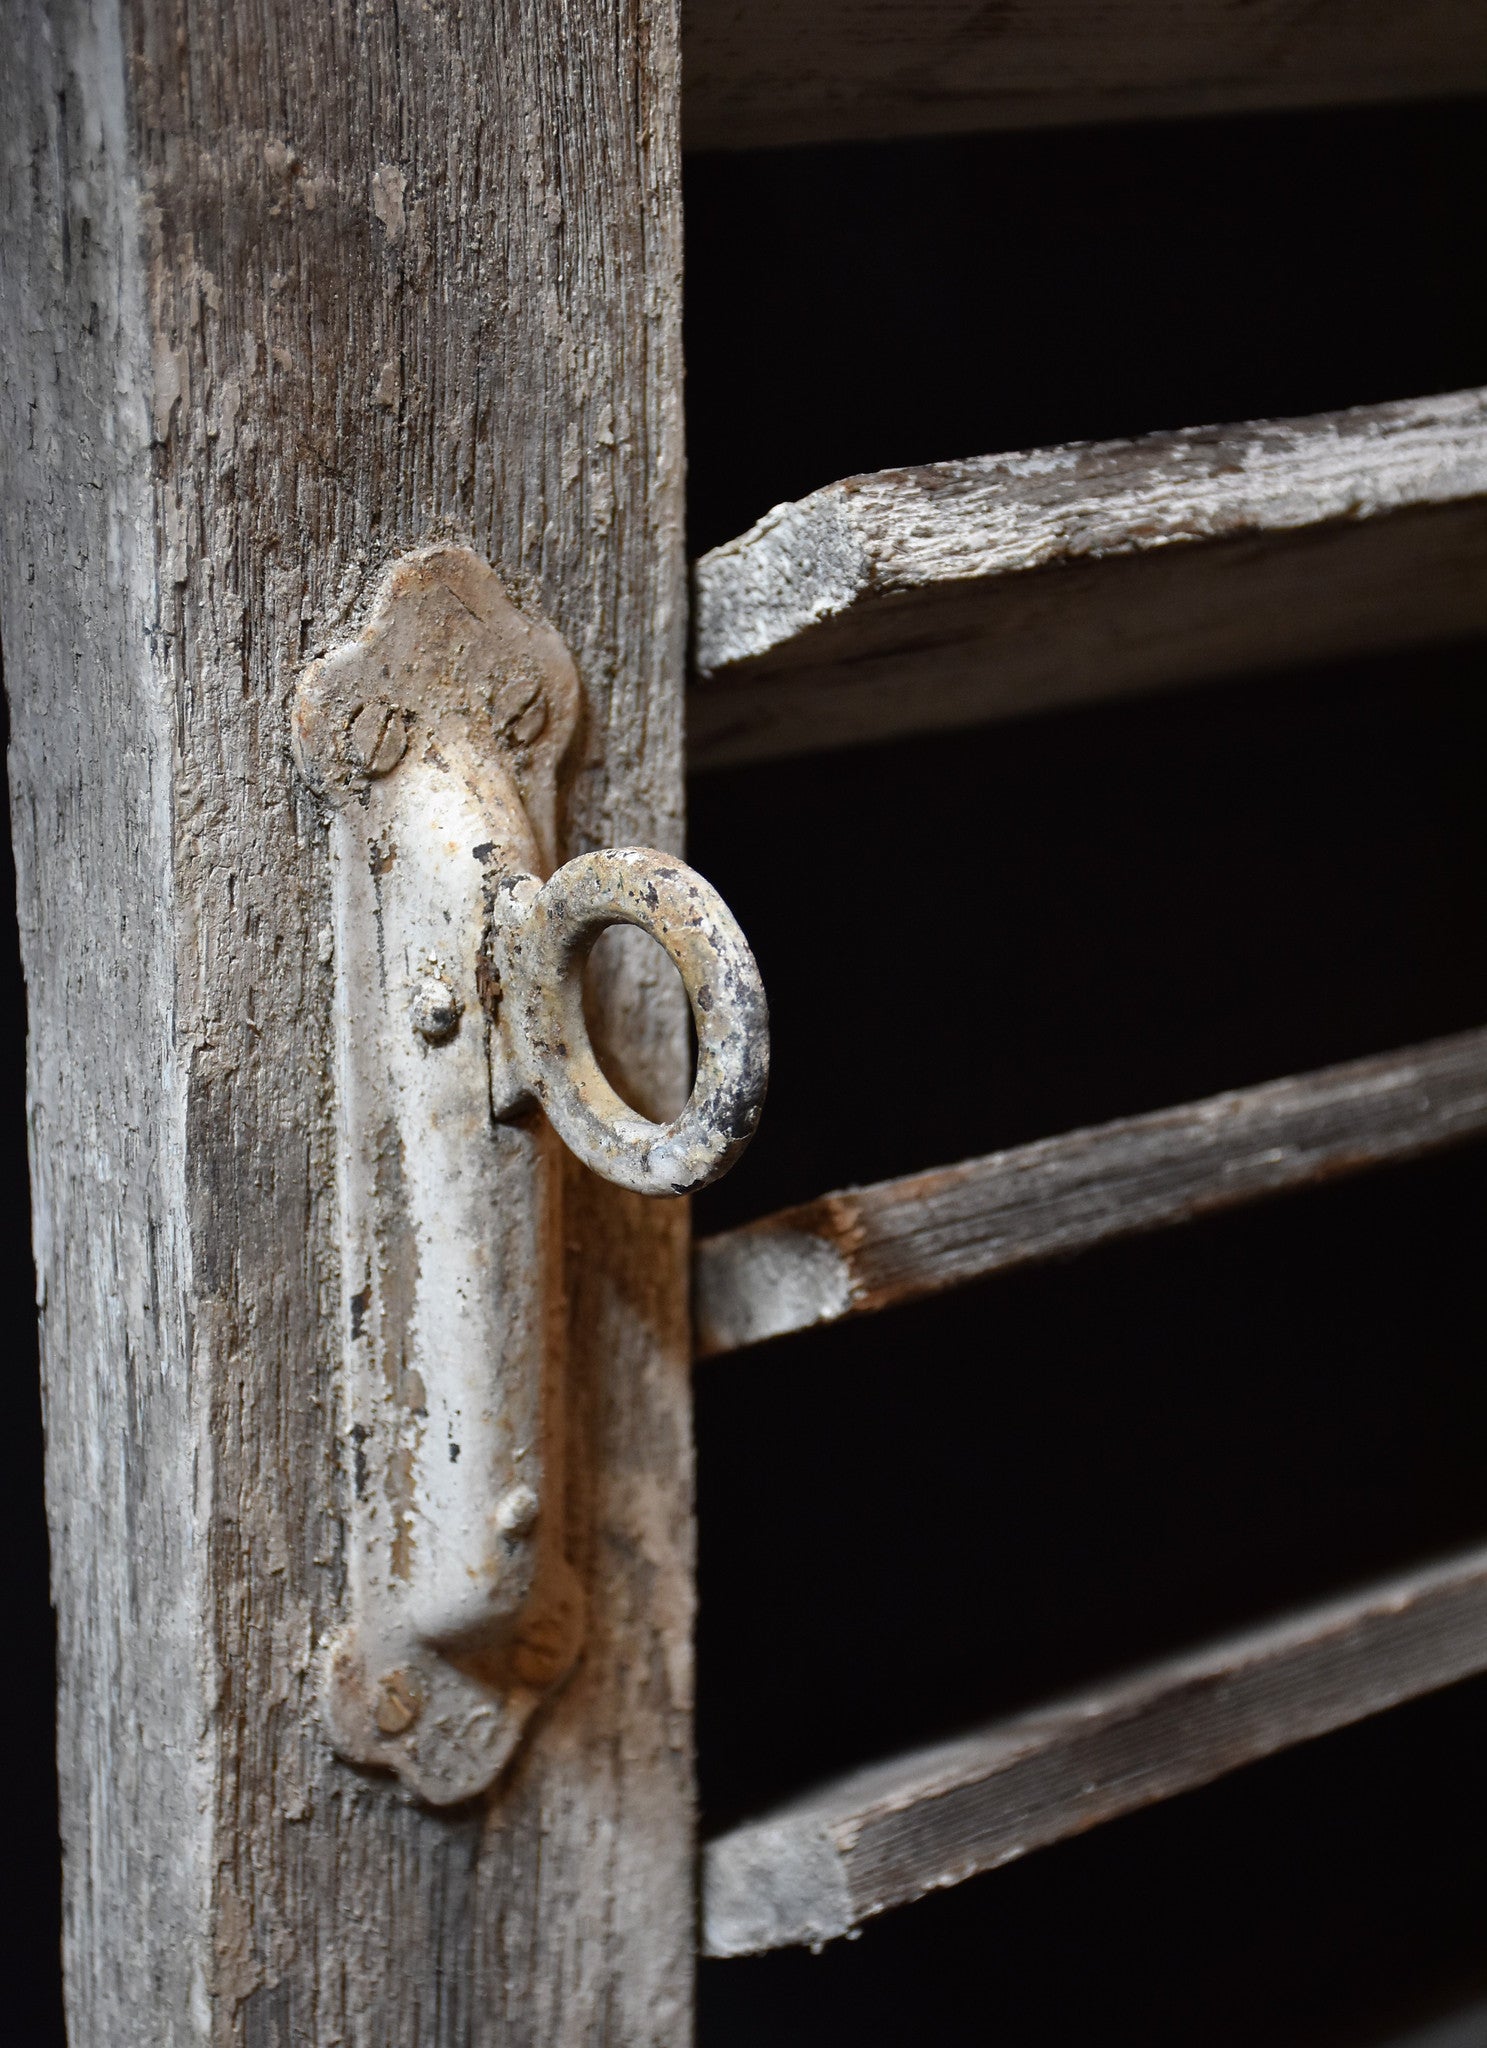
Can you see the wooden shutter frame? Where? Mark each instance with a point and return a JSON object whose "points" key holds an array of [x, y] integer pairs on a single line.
{"points": [[289, 292]]}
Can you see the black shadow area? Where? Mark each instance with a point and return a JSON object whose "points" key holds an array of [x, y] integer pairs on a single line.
{"points": [[979, 938]]}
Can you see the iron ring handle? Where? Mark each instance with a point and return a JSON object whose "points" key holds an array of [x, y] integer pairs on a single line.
{"points": [[547, 946]]}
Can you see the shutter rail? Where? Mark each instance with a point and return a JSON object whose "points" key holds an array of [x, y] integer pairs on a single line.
{"points": [[862, 1249], [818, 1867], [777, 74], [918, 600]]}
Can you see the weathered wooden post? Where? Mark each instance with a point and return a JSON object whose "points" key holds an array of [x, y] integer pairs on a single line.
{"points": [[289, 292]]}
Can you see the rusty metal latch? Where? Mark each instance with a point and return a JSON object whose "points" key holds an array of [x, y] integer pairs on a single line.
{"points": [[462, 1057]]}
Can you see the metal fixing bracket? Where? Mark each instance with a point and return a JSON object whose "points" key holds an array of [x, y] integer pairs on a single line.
{"points": [[462, 1058]]}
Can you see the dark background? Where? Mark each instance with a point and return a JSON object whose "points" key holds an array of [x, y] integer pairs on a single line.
{"points": [[973, 939], [1101, 912]]}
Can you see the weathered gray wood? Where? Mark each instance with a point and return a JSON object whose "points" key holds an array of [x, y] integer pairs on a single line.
{"points": [[286, 292], [867, 1248], [1465, 2026], [887, 1835], [761, 72], [923, 598]]}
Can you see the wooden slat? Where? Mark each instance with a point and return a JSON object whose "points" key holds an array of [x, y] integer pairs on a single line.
{"points": [[884, 1836], [761, 72], [868, 1248], [916, 599], [1465, 2026]]}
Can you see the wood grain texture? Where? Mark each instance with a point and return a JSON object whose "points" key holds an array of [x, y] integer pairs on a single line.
{"points": [[917, 599], [288, 292], [763, 72], [868, 1248], [884, 1836]]}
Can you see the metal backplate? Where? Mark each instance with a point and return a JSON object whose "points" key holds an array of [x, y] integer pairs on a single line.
{"points": [[436, 737]]}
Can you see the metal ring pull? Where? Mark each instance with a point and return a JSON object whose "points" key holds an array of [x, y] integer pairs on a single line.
{"points": [[546, 942]]}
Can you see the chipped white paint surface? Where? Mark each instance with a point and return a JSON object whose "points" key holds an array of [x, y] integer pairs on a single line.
{"points": [[435, 736], [965, 589]]}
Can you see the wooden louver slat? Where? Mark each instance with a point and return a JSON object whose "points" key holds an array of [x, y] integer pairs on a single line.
{"points": [[887, 1835], [919, 599], [868, 1248], [771, 71]]}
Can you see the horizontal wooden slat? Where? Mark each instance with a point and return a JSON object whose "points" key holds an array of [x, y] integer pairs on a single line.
{"points": [[916, 599], [884, 1836], [1464, 2026], [867, 1248], [762, 72]]}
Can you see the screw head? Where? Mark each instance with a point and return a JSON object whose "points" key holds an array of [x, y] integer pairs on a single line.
{"points": [[542, 1652], [516, 1511], [436, 1010], [376, 738], [530, 724], [399, 1702]]}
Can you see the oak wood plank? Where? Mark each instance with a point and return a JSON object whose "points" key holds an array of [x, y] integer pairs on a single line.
{"points": [[917, 599], [868, 1248], [288, 291], [766, 72], [881, 1837]]}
